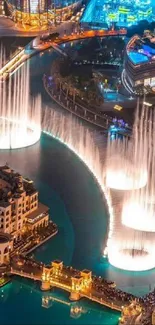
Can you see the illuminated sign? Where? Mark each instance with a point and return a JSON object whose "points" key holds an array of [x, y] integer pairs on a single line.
{"points": [[118, 108]]}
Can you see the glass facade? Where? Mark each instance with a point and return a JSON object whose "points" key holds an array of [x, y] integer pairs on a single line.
{"points": [[122, 12], [30, 6], [41, 12], [139, 64]]}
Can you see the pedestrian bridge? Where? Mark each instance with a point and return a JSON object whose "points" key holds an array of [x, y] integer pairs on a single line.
{"points": [[23, 55], [79, 284]]}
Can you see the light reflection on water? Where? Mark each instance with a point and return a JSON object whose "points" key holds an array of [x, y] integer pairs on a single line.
{"points": [[28, 305], [80, 214], [81, 235], [55, 170]]}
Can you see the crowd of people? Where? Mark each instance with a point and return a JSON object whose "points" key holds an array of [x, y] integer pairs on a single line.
{"points": [[148, 303], [108, 291]]}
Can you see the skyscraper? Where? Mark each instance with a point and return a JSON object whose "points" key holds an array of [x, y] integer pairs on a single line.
{"points": [[122, 12], [40, 12]]}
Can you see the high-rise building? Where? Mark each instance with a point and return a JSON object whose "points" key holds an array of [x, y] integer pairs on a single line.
{"points": [[41, 12], [139, 65], [128, 12], [122, 12]]}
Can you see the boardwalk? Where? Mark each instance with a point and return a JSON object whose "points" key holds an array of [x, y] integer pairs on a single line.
{"points": [[101, 120], [76, 109]]}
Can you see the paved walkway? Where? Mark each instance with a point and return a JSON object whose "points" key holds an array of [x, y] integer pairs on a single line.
{"points": [[103, 121]]}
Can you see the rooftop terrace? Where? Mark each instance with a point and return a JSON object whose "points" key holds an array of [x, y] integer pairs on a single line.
{"points": [[142, 50], [12, 184]]}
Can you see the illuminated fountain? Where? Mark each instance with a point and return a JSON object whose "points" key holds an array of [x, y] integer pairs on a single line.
{"points": [[20, 116], [121, 172], [2, 57], [79, 139], [69, 131], [126, 248], [126, 165], [132, 244], [139, 206]]}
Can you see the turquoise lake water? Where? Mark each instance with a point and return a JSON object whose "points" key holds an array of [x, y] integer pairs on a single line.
{"points": [[82, 223]]}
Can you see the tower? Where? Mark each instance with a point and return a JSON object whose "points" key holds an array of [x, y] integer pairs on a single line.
{"points": [[144, 9]]}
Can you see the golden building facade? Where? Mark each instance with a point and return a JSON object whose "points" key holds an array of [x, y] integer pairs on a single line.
{"points": [[41, 12], [20, 209]]}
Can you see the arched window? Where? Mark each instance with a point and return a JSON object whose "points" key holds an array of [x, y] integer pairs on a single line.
{"points": [[6, 250]]}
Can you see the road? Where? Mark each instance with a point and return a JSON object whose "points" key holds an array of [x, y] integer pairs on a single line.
{"points": [[8, 28]]}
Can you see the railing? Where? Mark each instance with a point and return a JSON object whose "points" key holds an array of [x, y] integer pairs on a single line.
{"points": [[90, 34], [25, 275], [104, 122], [58, 284], [12, 64], [74, 109], [102, 302]]}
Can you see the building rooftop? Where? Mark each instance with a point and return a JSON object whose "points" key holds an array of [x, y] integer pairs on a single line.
{"points": [[37, 214], [4, 204], [4, 167], [86, 271], [15, 182], [141, 50], [78, 277], [57, 262]]}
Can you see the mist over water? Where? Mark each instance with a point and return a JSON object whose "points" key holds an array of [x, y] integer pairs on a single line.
{"points": [[20, 115], [130, 175]]}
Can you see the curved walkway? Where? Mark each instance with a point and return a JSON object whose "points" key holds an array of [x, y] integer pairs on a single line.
{"points": [[86, 114], [88, 34]]}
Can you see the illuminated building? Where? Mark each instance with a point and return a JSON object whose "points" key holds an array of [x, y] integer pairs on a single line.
{"points": [[41, 12], [139, 65], [2, 11], [153, 318], [122, 12], [19, 210]]}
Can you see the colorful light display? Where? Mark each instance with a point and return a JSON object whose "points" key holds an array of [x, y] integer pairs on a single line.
{"points": [[41, 12], [139, 64], [122, 12]]}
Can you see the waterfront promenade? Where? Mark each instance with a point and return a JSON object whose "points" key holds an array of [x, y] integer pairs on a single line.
{"points": [[40, 44], [69, 103]]}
